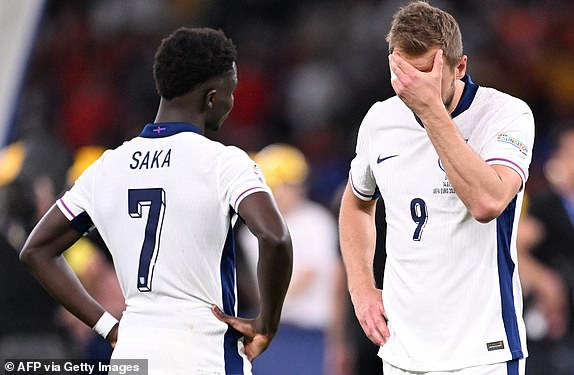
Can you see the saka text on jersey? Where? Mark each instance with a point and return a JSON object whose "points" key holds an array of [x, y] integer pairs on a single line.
{"points": [[150, 159]]}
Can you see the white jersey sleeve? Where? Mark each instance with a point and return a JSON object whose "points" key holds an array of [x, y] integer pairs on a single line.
{"points": [[77, 202], [361, 175], [511, 145], [240, 176]]}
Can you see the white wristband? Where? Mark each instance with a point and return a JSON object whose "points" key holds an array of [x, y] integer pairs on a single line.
{"points": [[105, 324]]}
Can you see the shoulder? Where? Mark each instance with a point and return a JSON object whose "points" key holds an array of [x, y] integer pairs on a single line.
{"points": [[231, 153], [381, 111], [394, 103], [233, 161], [500, 101]]}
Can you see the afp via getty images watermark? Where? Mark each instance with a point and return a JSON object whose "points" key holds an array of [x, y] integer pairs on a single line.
{"points": [[75, 367]]}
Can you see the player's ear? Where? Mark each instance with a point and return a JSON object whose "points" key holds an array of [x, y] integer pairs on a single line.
{"points": [[461, 67], [210, 98]]}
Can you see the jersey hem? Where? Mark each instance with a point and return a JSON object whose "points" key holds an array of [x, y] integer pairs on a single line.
{"points": [[452, 366]]}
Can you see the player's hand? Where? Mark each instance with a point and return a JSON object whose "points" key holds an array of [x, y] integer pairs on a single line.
{"points": [[254, 341], [113, 335], [420, 91], [370, 312]]}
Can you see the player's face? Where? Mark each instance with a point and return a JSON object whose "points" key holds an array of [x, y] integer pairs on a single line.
{"points": [[449, 77], [450, 74], [222, 100]]}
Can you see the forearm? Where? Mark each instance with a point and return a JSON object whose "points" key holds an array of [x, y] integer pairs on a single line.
{"points": [[61, 282], [275, 264], [273, 276], [357, 235], [42, 255], [478, 185]]}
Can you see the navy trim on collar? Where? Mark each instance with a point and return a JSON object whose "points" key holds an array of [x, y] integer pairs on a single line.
{"points": [[468, 94], [165, 129]]}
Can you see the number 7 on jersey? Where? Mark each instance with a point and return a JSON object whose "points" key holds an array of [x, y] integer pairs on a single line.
{"points": [[155, 199]]}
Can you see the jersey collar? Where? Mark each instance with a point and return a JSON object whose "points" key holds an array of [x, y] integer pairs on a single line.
{"points": [[165, 129], [468, 94]]}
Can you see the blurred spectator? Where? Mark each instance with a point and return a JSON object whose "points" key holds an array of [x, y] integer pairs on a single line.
{"points": [[299, 347], [35, 173], [546, 254], [30, 177]]}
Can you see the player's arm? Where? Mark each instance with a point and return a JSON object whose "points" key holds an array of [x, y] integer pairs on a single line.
{"points": [[42, 254], [264, 220], [358, 237], [484, 189]]}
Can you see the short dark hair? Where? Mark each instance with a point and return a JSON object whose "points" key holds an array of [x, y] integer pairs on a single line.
{"points": [[419, 26], [190, 56]]}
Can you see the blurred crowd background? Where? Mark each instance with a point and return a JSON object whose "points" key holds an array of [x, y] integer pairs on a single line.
{"points": [[308, 71]]}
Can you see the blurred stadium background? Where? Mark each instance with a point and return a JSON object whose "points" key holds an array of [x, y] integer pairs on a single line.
{"points": [[78, 73], [308, 70]]}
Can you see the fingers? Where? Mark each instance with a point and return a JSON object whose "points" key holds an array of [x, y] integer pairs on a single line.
{"points": [[254, 343], [393, 67], [220, 315], [400, 68], [244, 326], [230, 320], [396, 65], [438, 62], [401, 72], [372, 317], [375, 327], [113, 336]]}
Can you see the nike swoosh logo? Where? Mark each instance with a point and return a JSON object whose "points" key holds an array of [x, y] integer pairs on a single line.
{"points": [[380, 160]]}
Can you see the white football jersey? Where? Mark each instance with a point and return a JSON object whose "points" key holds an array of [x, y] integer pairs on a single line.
{"points": [[451, 287], [165, 204]]}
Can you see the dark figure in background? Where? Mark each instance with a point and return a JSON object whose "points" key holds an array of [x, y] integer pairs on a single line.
{"points": [[29, 182], [546, 247]]}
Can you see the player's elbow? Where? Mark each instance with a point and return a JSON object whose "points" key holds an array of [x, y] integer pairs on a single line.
{"points": [[279, 242], [276, 239], [28, 256], [32, 253], [487, 209]]}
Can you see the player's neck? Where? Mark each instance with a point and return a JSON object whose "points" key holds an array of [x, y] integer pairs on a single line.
{"points": [[458, 90], [169, 111]]}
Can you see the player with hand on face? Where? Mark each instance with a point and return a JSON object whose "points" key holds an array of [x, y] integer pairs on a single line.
{"points": [[165, 203], [450, 160]]}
